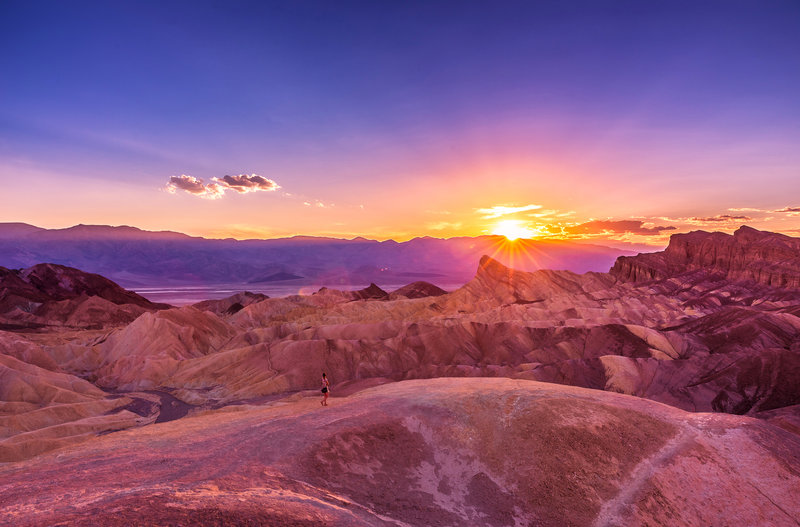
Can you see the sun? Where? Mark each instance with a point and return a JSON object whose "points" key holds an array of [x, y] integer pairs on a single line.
{"points": [[513, 229]]}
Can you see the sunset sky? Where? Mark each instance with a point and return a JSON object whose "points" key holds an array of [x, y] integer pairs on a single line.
{"points": [[623, 121]]}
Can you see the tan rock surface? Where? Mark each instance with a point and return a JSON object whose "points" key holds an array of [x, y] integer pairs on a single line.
{"points": [[41, 410]]}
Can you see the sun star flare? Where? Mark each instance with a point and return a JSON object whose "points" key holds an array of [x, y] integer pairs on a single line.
{"points": [[513, 230]]}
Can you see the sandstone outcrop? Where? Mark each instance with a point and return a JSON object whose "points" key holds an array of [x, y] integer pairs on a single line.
{"points": [[747, 255]]}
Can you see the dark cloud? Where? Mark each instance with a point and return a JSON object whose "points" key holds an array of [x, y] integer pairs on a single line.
{"points": [[722, 218], [789, 209], [242, 183], [619, 226]]}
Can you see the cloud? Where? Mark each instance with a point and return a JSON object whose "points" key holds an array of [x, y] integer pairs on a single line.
{"points": [[321, 205], [746, 209], [194, 186], [616, 226], [242, 184], [788, 209], [545, 213], [504, 210], [722, 218]]}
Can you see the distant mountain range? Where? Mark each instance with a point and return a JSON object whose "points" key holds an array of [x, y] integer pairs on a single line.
{"points": [[134, 257]]}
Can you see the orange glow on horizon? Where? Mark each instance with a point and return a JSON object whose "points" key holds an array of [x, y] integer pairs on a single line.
{"points": [[513, 230]]}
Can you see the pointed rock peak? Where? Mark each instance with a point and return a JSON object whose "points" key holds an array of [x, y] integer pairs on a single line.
{"points": [[489, 265], [748, 234], [373, 291], [744, 229], [418, 289]]}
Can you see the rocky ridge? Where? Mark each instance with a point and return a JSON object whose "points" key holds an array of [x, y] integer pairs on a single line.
{"points": [[50, 294], [748, 255]]}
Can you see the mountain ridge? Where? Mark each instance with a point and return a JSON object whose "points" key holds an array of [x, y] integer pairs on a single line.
{"points": [[133, 257]]}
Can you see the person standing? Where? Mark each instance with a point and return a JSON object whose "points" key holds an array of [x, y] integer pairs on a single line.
{"points": [[326, 389]]}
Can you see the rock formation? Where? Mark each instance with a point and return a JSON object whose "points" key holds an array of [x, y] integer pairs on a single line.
{"points": [[230, 305], [417, 290], [747, 255]]}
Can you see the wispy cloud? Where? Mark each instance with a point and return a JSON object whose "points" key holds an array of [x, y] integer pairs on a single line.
{"points": [[721, 218], [617, 226], [504, 210], [442, 225], [746, 209], [543, 213], [241, 184], [319, 204], [792, 211]]}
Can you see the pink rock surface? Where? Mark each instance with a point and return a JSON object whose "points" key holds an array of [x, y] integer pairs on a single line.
{"points": [[429, 452]]}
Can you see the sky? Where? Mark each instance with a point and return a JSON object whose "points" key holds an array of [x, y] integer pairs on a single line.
{"points": [[615, 122]]}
